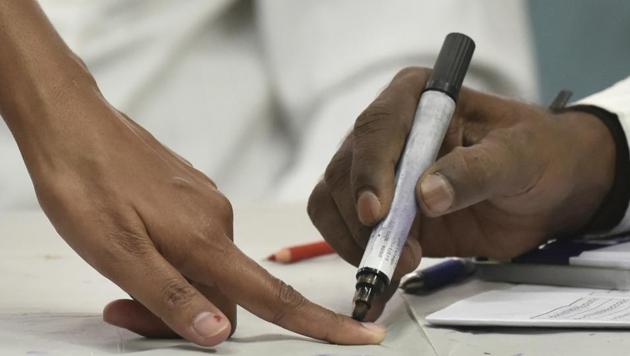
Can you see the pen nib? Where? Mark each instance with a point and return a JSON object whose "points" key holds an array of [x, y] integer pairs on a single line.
{"points": [[360, 311]]}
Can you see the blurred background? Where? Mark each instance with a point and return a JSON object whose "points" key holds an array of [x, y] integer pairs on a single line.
{"points": [[583, 45], [259, 94]]}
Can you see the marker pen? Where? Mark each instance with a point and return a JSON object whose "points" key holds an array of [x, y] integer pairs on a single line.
{"points": [[432, 118]]}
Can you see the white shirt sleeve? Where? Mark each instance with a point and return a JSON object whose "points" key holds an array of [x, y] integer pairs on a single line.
{"points": [[616, 100]]}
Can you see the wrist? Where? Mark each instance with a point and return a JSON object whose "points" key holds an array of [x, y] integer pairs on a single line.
{"points": [[48, 112], [36, 99], [593, 151]]}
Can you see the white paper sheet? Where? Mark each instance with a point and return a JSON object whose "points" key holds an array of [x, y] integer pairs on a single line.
{"points": [[614, 256], [540, 306], [51, 300]]}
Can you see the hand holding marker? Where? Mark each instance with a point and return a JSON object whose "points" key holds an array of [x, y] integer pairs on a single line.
{"points": [[431, 121]]}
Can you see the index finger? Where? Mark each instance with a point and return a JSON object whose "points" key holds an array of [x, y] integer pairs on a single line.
{"points": [[379, 136], [256, 290]]}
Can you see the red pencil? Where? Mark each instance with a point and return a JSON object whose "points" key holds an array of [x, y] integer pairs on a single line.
{"points": [[301, 252]]}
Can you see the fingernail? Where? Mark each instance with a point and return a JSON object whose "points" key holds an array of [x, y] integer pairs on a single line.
{"points": [[209, 324], [376, 331], [368, 207], [437, 193]]}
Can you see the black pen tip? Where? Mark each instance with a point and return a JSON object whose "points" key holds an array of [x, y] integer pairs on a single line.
{"points": [[360, 311]]}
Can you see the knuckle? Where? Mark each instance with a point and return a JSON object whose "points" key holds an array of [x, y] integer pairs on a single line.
{"points": [[181, 183], [212, 184], [369, 169], [205, 242], [227, 206], [208, 232], [412, 80], [224, 209], [130, 242], [462, 166], [289, 302], [176, 293], [212, 219], [376, 118], [210, 235], [412, 73], [381, 127], [338, 169], [216, 245], [478, 166]]}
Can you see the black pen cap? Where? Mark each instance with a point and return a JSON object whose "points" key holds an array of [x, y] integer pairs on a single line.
{"points": [[451, 65]]}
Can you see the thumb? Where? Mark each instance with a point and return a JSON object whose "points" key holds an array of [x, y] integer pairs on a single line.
{"points": [[469, 175]]}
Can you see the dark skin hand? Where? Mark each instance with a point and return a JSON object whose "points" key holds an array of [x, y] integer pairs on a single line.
{"points": [[134, 210], [509, 176]]}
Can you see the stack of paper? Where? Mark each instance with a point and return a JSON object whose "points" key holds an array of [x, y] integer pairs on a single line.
{"points": [[615, 256], [540, 306]]}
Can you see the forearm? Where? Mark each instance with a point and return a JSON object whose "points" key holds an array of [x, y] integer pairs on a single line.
{"points": [[38, 71], [47, 95]]}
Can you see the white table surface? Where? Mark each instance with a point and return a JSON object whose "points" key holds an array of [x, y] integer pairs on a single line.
{"points": [[51, 302]]}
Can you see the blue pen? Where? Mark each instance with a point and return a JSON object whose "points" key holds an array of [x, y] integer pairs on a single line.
{"points": [[437, 276]]}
